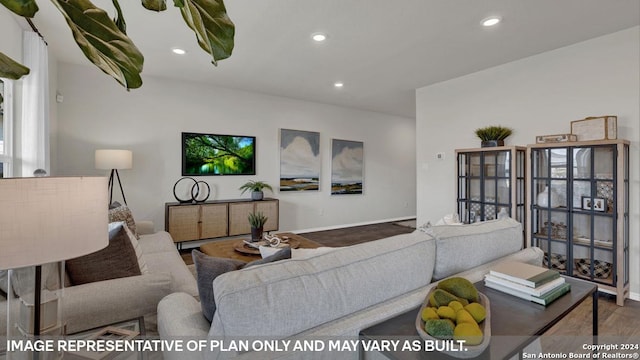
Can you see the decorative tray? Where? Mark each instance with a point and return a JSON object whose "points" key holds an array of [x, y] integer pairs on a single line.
{"points": [[468, 351]]}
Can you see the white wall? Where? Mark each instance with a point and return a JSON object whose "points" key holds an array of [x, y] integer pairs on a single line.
{"points": [[98, 113], [536, 96], [11, 39]]}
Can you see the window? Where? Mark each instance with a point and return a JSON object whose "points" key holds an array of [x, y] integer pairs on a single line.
{"points": [[5, 128]]}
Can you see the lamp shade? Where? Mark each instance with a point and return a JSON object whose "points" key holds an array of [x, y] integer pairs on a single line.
{"points": [[50, 219], [107, 159]]}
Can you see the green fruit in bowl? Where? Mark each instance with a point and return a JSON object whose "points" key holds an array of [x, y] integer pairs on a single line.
{"points": [[460, 287]]}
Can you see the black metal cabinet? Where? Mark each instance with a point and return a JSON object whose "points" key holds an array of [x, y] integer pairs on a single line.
{"points": [[579, 210], [490, 180]]}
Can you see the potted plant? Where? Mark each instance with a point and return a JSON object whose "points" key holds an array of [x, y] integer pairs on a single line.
{"points": [[257, 221], [493, 135], [256, 189]]}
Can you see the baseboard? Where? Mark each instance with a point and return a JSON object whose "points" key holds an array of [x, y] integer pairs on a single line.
{"points": [[634, 296], [342, 226]]}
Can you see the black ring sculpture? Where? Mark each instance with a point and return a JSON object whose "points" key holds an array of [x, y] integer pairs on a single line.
{"points": [[193, 197]]}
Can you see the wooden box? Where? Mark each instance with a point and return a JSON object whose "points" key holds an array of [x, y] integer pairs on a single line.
{"points": [[556, 138], [596, 128]]}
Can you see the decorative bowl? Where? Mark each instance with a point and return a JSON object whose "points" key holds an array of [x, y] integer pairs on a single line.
{"points": [[601, 269], [469, 351]]}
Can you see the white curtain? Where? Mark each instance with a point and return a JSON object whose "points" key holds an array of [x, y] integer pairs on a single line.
{"points": [[34, 144]]}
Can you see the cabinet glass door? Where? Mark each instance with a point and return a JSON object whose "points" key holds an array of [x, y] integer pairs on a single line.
{"points": [[549, 210], [485, 184]]}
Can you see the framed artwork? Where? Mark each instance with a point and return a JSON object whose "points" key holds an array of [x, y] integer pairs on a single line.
{"points": [[598, 204], [300, 160], [347, 167]]}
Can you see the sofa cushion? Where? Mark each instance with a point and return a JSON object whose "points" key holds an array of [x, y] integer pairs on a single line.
{"points": [[207, 269], [117, 260], [161, 256], [462, 247], [323, 288]]}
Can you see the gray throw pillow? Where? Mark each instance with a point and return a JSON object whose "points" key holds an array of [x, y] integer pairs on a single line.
{"points": [[285, 253], [208, 268], [117, 260]]}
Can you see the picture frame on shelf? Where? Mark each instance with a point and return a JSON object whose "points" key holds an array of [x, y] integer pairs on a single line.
{"points": [[595, 204]]}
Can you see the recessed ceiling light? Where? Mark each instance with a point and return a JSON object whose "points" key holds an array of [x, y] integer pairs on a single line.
{"points": [[178, 51], [338, 84], [319, 37], [491, 21]]}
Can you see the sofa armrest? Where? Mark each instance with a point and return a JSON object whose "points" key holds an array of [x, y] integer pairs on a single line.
{"points": [[180, 317], [145, 227], [106, 302]]}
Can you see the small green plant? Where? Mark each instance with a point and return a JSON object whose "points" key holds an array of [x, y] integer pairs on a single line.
{"points": [[255, 186], [493, 133], [257, 219]]}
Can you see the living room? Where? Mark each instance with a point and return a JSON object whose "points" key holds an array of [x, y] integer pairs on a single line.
{"points": [[536, 95]]}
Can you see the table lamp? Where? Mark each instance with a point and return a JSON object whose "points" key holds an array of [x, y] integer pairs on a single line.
{"points": [[114, 160], [50, 219]]}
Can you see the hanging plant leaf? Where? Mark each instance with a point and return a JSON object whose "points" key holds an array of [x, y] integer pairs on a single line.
{"points": [[11, 69], [119, 20], [213, 27], [155, 5], [24, 8], [102, 42]]}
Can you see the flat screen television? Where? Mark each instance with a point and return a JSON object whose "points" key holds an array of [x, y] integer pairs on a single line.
{"points": [[215, 154]]}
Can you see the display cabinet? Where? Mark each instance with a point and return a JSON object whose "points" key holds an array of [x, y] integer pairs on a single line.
{"points": [[579, 207], [491, 181]]}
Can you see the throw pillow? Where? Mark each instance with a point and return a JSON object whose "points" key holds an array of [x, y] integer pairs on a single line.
{"points": [[144, 269], [123, 213], [284, 253], [207, 269], [117, 260]]}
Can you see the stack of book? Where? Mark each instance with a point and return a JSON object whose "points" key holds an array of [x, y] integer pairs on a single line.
{"points": [[529, 282]]}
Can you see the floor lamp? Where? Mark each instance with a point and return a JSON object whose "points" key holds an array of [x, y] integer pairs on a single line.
{"points": [[50, 219], [114, 160]]}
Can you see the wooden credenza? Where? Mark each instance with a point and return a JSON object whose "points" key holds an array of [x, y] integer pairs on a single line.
{"points": [[219, 218]]}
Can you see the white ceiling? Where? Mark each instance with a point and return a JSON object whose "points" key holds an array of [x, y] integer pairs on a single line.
{"points": [[382, 50]]}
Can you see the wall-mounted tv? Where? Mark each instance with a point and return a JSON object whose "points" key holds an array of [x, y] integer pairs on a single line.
{"points": [[214, 154]]}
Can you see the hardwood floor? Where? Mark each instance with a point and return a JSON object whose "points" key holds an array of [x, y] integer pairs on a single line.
{"points": [[357, 234]]}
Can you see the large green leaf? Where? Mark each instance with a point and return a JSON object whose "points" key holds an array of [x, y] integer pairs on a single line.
{"points": [[10, 69], [102, 42], [155, 5], [214, 30], [119, 20], [25, 8]]}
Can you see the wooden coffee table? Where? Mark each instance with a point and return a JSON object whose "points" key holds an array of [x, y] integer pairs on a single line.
{"points": [[515, 323], [229, 248]]}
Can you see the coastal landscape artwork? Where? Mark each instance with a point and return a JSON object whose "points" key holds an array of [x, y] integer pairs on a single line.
{"points": [[347, 167], [299, 160]]}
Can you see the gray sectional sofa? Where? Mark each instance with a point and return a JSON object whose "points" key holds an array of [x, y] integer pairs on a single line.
{"points": [[101, 303], [340, 292]]}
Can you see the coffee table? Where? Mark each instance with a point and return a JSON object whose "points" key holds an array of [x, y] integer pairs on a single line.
{"points": [[228, 248], [515, 323]]}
